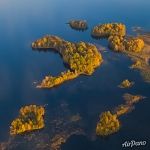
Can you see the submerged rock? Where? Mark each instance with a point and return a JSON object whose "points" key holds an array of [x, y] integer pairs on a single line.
{"points": [[75, 118], [30, 141], [59, 139], [61, 124]]}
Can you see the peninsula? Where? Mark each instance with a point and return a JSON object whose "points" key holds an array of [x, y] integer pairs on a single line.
{"points": [[82, 58]]}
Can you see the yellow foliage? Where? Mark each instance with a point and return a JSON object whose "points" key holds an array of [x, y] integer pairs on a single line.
{"points": [[108, 124], [116, 43], [137, 64], [116, 36], [51, 81], [108, 29], [82, 58], [126, 84], [30, 118], [134, 44], [119, 43]]}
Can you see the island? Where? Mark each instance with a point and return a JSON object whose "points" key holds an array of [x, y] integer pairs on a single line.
{"points": [[82, 58], [62, 123], [137, 48], [130, 99], [121, 44], [108, 124], [109, 121], [30, 118], [117, 38], [126, 84], [78, 24], [108, 29], [123, 109], [137, 64], [141, 60]]}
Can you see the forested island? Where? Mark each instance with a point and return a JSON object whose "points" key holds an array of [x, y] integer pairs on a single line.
{"points": [[78, 24], [30, 118], [108, 29], [82, 58]]}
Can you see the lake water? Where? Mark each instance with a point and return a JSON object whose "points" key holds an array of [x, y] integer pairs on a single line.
{"points": [[22, 22]]}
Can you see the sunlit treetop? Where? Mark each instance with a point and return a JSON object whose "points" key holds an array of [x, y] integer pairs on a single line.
{"points": [[108, 124], [126, 84], [109, 29], [120, 43]]}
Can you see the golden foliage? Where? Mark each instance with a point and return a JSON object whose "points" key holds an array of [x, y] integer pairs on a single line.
{"points": [[116, 43], [30, 118], [137, 64], [108, 29], [108, 124], [134, 44], [126, 84], [82, 57], [116, 36], [119, 43], [50, 81], [85, 58]]}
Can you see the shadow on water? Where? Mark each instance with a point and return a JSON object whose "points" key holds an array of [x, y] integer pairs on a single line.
{"points": [[51, 50]]}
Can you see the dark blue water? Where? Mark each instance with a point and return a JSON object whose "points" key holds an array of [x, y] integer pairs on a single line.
{"points": [[22, 22]]}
